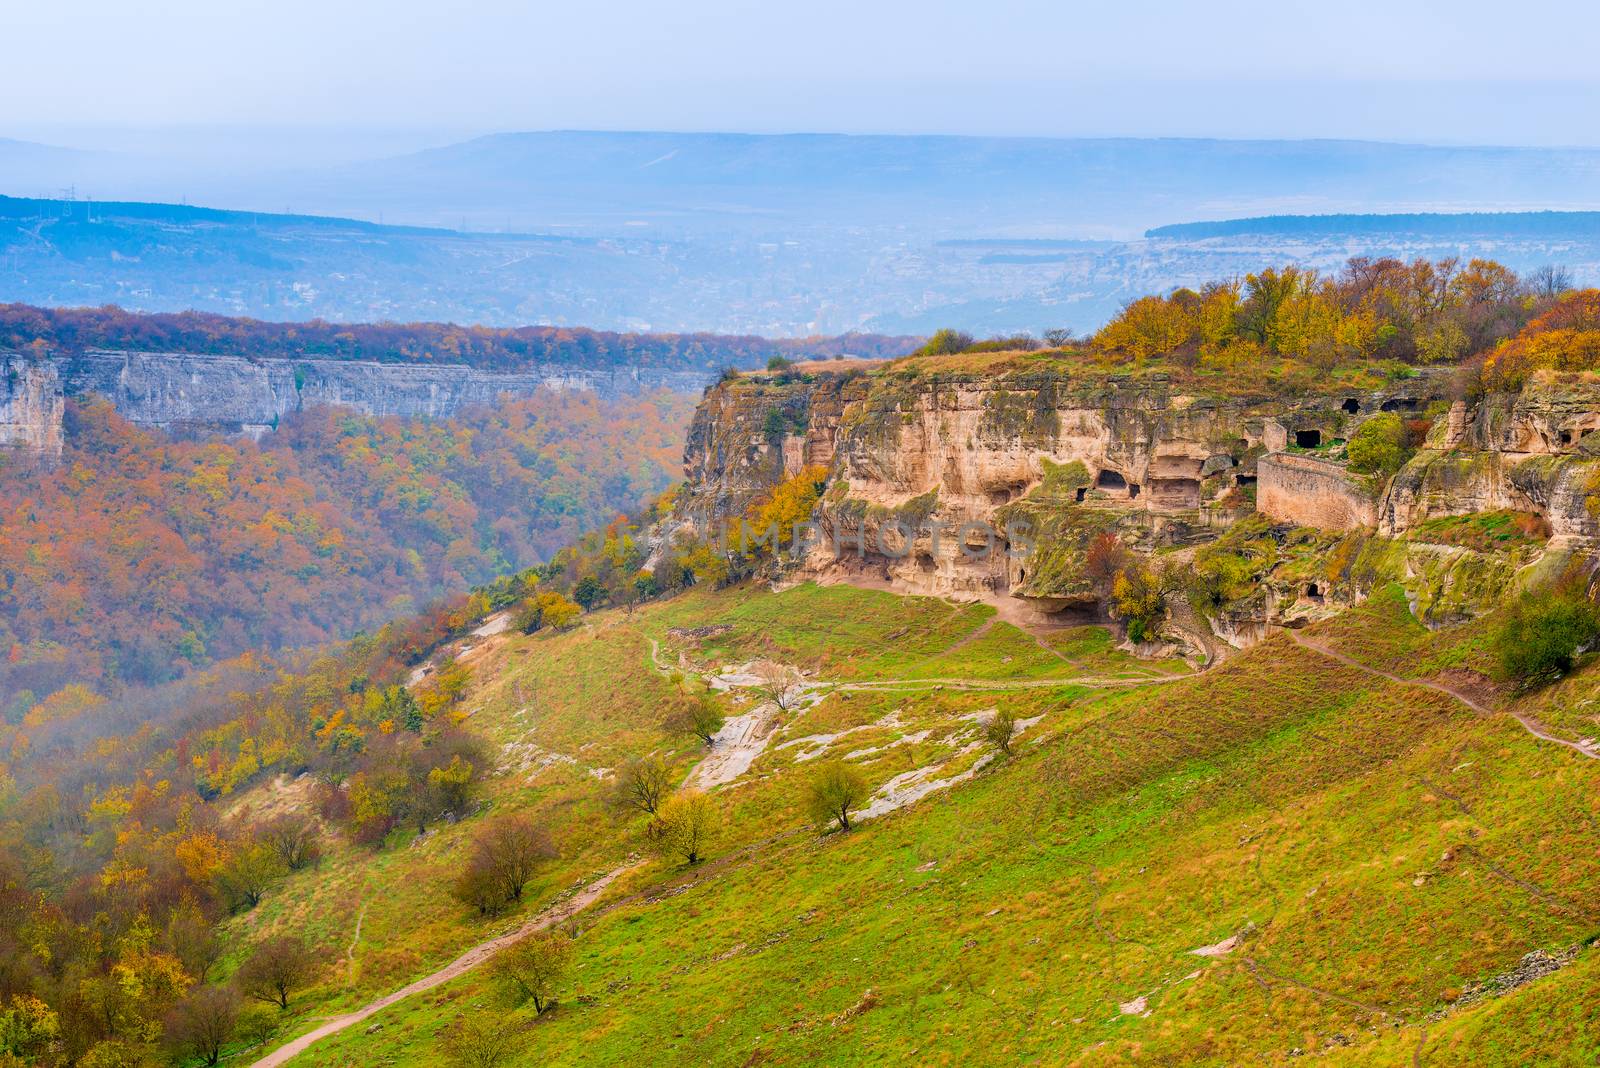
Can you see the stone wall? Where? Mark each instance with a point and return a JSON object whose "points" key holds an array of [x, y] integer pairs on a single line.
{"points": [[1313, 493]]}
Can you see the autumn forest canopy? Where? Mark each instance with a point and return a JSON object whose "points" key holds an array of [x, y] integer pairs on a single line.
{"points": [[1422, 312], [138, 558], [68, 330], [1291, 326]]}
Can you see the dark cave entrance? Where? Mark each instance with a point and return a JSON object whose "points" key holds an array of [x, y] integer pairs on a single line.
{"points": [[1110, 480], [1307, 439]]}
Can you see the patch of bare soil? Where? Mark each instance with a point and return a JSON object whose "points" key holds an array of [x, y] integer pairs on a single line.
{"points": [[1477, 687], [278, 797]]}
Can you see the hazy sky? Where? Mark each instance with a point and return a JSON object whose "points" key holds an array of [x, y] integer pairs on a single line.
{"points": [[1466, 71]]}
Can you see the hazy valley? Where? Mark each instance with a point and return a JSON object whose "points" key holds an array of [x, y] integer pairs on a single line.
{"points": [[779, 235]]}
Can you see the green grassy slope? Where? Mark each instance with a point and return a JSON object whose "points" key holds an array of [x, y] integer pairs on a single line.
{"points": [[1377, 848]]}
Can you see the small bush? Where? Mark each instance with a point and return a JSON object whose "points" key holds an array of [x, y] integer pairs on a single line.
{"points": [[685, 826], [998, 729], [946, 342], [835, 789], [1380, 446], [1543, 634]]}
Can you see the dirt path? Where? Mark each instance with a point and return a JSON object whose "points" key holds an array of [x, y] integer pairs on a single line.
{"points": [[964, 683], [355, 939], [461, 965], [1092, 682], [1531, 725]]}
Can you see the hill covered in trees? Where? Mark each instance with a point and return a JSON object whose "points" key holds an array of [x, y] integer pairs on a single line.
{"points": [[137, 558], [25, 327], [1487, 225]]}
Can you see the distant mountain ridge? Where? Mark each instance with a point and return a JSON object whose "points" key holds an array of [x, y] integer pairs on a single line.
{"points": [[951, 185], [778, 235], [40, 209], [1503, 224]]}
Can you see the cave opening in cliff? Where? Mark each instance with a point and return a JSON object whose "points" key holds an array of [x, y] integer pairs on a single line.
{"points": [[1083, 491], [1110, 480], [1133, 490], [1244, 480], [1314, 592], [1351, 405], [1400, 404], [1566, 437], [1307, 439]]}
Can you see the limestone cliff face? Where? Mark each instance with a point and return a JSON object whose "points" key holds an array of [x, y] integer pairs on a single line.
{"points": [[745, 439], [31, 406], [1063, 456], [971, 467], [1534, 451], [935, 478], [228, 394]]}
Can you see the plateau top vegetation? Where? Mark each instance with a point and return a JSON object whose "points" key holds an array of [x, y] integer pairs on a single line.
{"points": [[1287, 328], [25, 328]]}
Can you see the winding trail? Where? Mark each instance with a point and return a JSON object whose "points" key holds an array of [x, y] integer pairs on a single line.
{"points": [[971, 683], [466, 962], [1531, 725]]}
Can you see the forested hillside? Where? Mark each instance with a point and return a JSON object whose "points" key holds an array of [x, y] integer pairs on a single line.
{"points": [[137, 558], [24, 327]]}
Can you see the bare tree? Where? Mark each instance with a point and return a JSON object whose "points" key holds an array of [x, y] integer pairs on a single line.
{"points": [[513, 847], [202, 1024], [835, 789], [642, 784], [505, 853], [280, 965], [293, 839], [529, 970], [780, 684], [1549, 280]]}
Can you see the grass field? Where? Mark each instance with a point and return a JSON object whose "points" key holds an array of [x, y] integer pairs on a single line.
{"points": [[1376, 849]]}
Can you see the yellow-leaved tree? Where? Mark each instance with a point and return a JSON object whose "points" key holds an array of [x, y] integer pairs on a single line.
{"points": [[770, 521]]}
